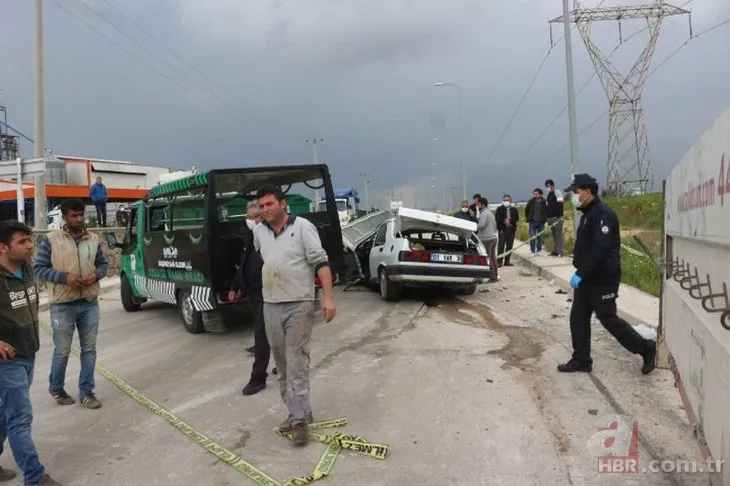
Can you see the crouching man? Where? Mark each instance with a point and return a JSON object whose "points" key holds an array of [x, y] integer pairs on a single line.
{"points": [[19, 344], [292, 253]]}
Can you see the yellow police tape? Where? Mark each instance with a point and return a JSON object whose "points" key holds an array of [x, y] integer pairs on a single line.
{"points": [[537, 235], [335, 443]]}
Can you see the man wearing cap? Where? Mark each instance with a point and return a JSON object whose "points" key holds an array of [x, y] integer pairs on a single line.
{"points": [[597, 260]]}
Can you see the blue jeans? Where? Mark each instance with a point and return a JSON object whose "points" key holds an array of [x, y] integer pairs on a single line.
{"points": [[16, 416], [84, 316], [535, 228]]}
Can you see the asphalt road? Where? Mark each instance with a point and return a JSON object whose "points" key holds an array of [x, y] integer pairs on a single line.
{"points": [[464, 391]]}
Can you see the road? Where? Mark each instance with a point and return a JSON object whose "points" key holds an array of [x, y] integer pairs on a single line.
{"points": [[464, 390]]}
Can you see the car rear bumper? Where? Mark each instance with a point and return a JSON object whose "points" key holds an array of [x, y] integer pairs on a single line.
{"points": [[436, 274]]}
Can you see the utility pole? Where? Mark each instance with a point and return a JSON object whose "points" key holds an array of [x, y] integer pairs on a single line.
{"points": [[572, 123], [314, 142], [39, 135], [462, 138], [367, 195]]}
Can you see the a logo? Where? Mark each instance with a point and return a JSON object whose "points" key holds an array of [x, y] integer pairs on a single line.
{"points": [[616, 444], [169, 252], [612, 295], [604, 229]]}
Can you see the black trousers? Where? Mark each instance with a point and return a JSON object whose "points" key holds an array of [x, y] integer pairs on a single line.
{"points": [[506, 242], [601, 300], [262, 350]]}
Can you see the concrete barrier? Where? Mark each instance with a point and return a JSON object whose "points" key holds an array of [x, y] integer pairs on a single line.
{"points": [[114, 255], [695, 302]]}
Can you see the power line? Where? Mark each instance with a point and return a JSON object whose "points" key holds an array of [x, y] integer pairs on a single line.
{"points": [[143, 62], [528, 90], [664, 61], [587, 82], [193, 67]]}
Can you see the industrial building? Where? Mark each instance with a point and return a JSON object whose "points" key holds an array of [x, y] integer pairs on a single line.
{"points": [[68, 177]]}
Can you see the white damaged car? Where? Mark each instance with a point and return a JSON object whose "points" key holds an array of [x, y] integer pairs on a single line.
{"points": [[416, 249]]}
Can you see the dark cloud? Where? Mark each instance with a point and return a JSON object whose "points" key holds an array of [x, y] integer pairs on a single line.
{"points": [[358, 74]]}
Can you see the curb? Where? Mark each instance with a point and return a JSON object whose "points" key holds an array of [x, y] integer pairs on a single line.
{"points": [[564, 284], [44, 306]]}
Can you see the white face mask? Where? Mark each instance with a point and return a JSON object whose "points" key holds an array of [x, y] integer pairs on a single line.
{"points": [[506, 203], [463, 210], [575, 200]]}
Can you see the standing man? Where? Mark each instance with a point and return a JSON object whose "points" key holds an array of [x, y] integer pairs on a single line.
{"points": [[99, 197], [72, 262], [474, 208], [464, 213], [292, 253], [597, 262], [253, 216], [487, 234], [19, 343], [554, 204], [536, 216], [248, 280], [507, 217]]}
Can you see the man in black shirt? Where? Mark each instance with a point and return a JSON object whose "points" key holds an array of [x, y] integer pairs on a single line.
{"points": [[554, 202], [597, 260], [507, 217]]}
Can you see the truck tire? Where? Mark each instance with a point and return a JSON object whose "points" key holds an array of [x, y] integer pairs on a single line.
{"points": [[191, 318], [128, 301], [389, 291]]}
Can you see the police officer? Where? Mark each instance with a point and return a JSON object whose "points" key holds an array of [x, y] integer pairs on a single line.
{"points": [[597, 262]]}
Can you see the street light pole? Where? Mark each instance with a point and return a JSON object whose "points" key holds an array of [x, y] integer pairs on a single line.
{"points": [[461, 133], [38, 129]]}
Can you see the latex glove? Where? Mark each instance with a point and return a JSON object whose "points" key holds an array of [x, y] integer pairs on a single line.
{"points": [[575, 281]]}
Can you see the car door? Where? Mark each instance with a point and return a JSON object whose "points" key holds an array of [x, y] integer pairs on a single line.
{"points": [[377, 253]]}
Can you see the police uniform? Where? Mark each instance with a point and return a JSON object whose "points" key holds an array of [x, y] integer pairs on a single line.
{"points": [[597, 262]]}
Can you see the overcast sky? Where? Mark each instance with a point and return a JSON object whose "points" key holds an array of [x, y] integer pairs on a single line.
{"points": [[255, 79]]}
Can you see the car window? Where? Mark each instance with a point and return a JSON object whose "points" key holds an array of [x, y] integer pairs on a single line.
{"points": [[380, 235]]}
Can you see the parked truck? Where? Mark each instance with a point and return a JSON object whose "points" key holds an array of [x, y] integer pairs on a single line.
{"points": [[348, 204]]}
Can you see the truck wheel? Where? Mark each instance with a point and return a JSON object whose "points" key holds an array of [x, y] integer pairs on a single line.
{"points": [[192, 319], [389, 291], [128, 302]]}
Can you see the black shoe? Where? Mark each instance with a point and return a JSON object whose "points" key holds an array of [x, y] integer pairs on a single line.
{"points": [[508, 264], [251, 350], [574, 365], [253, 387], [649, 359]]}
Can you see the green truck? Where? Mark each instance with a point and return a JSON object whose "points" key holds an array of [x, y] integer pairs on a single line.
{"points": [[183, 241]]}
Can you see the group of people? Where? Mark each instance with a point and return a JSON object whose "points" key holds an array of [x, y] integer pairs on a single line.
{"points": [[72, 263], [281, 255]]}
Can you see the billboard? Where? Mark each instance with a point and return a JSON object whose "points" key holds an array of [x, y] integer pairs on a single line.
{"points": [[696, 303]]}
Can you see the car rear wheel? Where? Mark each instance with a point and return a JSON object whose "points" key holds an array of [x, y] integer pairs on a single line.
{"points": [[389, 291], [192, 319]]}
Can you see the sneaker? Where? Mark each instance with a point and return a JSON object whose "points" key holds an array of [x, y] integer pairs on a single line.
{"points": [[574, 365], [301, 434], [649, 359], [7, 475], [90, 401], [253, 387], [286, 425], [46, 481], [61, 397]]}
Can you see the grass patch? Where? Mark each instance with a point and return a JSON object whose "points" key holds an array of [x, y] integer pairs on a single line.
{"points": [[638, 216]]}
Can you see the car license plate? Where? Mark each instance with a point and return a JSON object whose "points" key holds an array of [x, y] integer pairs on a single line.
{"points": [[446, 257]]}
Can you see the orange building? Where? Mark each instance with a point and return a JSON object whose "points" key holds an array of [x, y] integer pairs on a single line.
{"points": [[125, 182]]}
